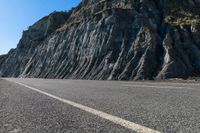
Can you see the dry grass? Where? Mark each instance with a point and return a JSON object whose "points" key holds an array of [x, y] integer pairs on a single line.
{"points": [[181, 21]]}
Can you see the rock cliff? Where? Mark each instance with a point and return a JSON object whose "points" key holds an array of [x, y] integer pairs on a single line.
{"points": [[111, 40]]}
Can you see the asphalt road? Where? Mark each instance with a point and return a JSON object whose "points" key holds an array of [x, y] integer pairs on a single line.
{"points": [[163, 107]]}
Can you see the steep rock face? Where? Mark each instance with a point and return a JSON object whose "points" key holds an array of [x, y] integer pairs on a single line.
{"points": [[111, 40]]}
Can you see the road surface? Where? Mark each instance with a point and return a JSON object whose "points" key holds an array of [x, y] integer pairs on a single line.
{"points": [[78, 106]]}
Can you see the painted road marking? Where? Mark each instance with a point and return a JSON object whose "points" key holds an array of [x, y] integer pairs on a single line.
{"points": [[117, 120]]}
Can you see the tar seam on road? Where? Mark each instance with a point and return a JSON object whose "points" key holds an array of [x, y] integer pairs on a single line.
{"points": [[160, 87], [127, 124]]}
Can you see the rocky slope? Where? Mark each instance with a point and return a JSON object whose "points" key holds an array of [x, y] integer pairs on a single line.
{"points": [[111, 40]]}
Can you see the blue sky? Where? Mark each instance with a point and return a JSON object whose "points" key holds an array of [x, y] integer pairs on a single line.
{"points": [[17, 15]]}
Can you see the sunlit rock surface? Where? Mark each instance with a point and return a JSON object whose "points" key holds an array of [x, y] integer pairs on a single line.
{"points": [[111, 40]]}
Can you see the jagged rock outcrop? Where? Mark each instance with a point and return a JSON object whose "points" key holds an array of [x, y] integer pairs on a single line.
{"points": [[111, 40]]}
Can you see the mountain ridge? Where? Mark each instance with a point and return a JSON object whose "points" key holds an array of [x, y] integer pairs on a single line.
{"points": [[111, 40]]}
